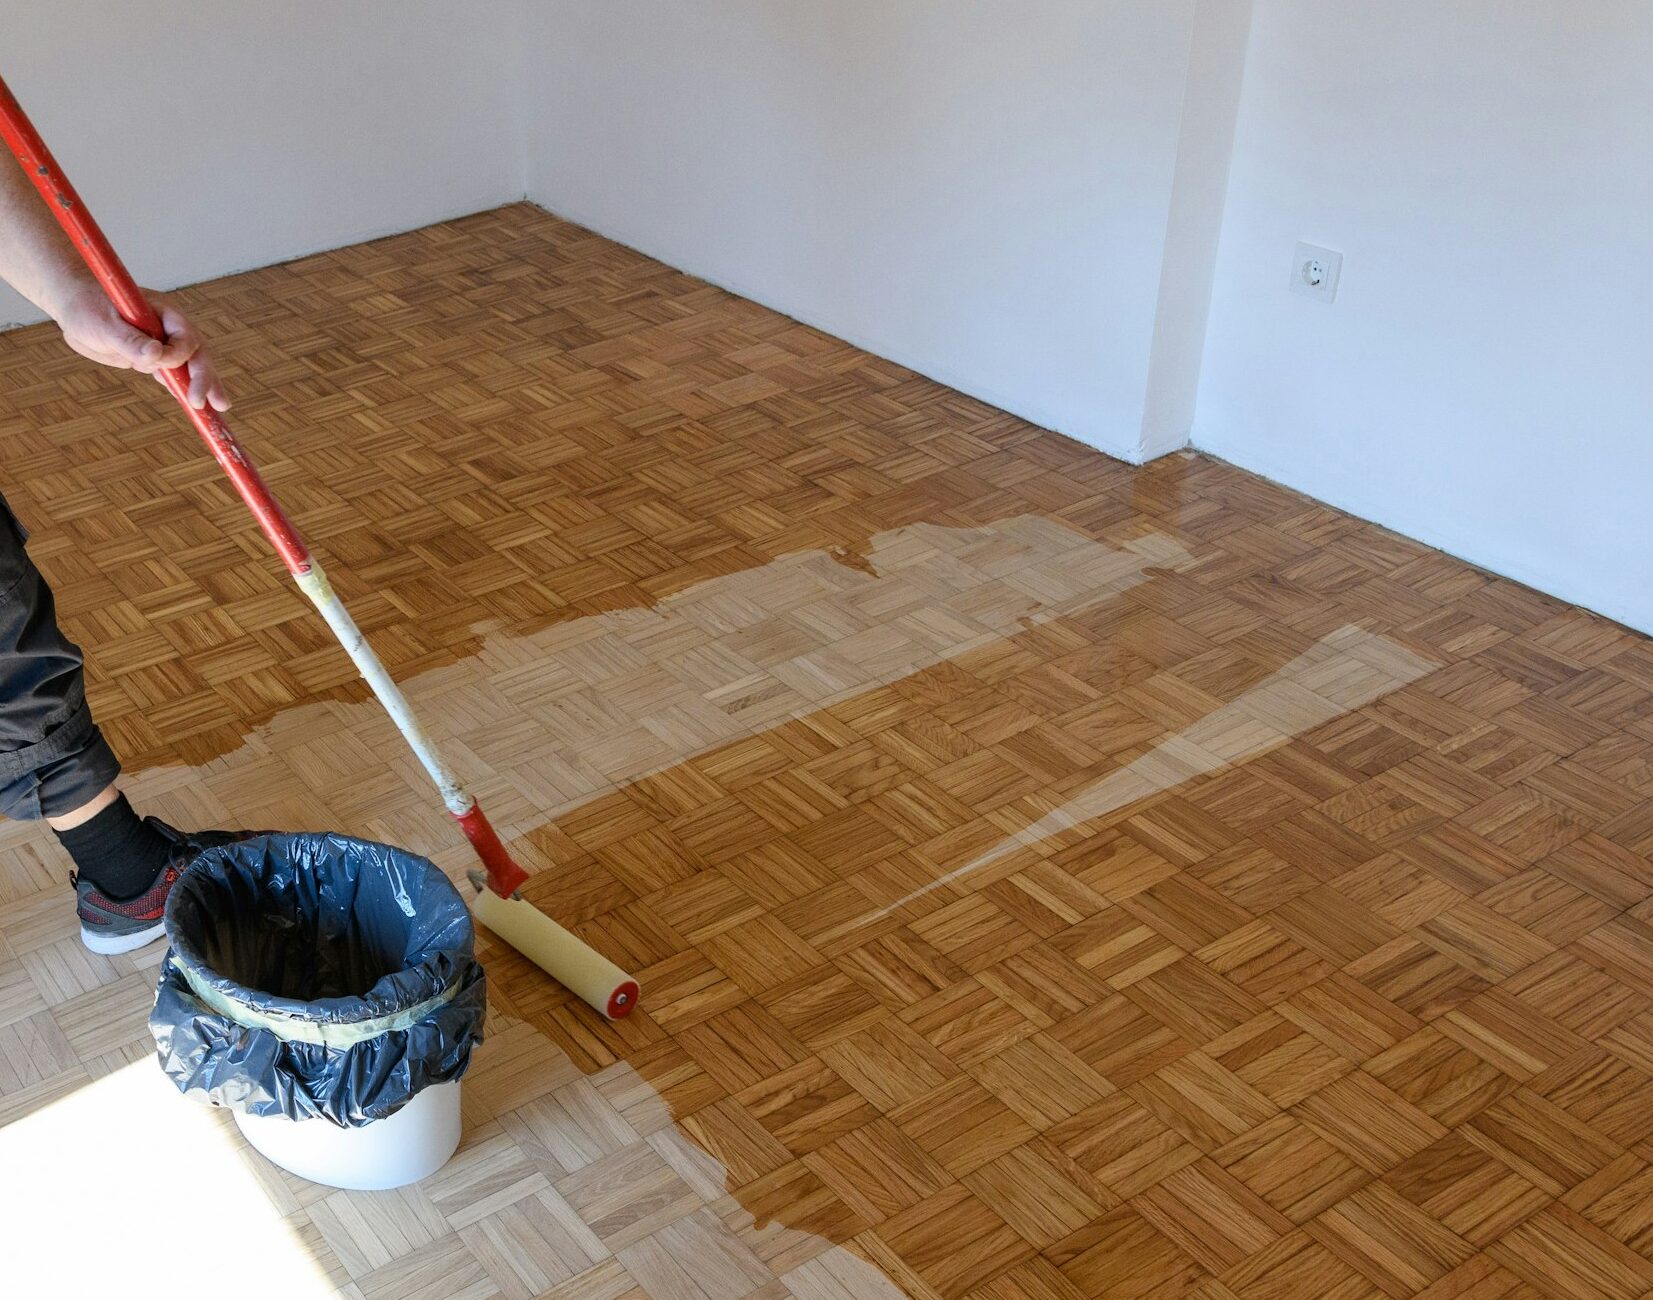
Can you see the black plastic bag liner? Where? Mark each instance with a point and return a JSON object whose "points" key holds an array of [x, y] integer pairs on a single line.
{"points": [[316, 976]]}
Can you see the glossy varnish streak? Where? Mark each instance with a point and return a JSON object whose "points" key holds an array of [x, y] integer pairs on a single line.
{"points": [[1049, 879]]}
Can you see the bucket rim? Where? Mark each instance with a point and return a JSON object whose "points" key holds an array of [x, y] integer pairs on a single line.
{"points": [[419, 985]]}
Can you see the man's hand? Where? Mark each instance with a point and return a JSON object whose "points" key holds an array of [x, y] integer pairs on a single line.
{"points": [[93, 328], [37, 259]]}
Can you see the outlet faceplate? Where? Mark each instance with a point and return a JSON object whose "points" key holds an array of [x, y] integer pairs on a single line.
{"points": [[1315, 271]]}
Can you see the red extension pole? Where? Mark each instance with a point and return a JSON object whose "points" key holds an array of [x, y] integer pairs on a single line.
{"points": [[504, 875]]}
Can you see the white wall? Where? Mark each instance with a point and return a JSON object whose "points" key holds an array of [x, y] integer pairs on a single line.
{"points": [[1484, 381], [978, 190], [209, 138], [1210, 102]]}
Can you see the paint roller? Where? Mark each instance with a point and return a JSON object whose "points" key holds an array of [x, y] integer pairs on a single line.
{"points": [[498, 903]]}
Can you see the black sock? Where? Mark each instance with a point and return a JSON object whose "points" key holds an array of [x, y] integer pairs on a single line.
{"points": [[119, 852]]}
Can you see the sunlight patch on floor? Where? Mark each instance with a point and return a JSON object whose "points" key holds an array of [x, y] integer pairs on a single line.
{"points": [[125, 1189]]}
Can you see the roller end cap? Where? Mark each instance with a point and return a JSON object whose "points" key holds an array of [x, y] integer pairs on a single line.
{"points": [[623, 1001]]}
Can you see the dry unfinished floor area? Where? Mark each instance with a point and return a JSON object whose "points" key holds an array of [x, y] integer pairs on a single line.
{"points": [[1050, 880]]}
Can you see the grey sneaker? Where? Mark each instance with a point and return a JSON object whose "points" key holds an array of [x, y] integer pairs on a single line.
{"points": [[109, 927]]}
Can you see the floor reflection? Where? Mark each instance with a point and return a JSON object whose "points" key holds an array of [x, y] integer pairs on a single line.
{"points": [[551, 722], [554, 722]]}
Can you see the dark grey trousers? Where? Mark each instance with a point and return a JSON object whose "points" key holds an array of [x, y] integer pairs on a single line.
{"points": [[53, 758]]}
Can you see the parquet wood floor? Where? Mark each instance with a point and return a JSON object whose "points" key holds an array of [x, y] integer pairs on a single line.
{"points": [[1050, 880]]}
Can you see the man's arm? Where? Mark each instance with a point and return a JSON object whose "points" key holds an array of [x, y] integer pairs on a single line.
{"points": [[37, 259]]}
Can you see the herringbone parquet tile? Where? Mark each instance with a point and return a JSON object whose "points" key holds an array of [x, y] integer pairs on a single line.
{"points": [[1050, 880]]}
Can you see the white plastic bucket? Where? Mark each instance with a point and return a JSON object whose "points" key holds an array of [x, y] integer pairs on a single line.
{"points": [[412, 1144]]}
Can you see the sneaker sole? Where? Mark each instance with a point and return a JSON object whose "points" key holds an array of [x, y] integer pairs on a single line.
{"points": [[112, 945]]}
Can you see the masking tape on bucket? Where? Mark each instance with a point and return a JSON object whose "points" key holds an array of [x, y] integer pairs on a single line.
{"points": [[292, 1030]]}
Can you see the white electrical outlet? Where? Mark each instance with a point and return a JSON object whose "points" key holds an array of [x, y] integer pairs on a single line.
{"points": [[1315, 272]]}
